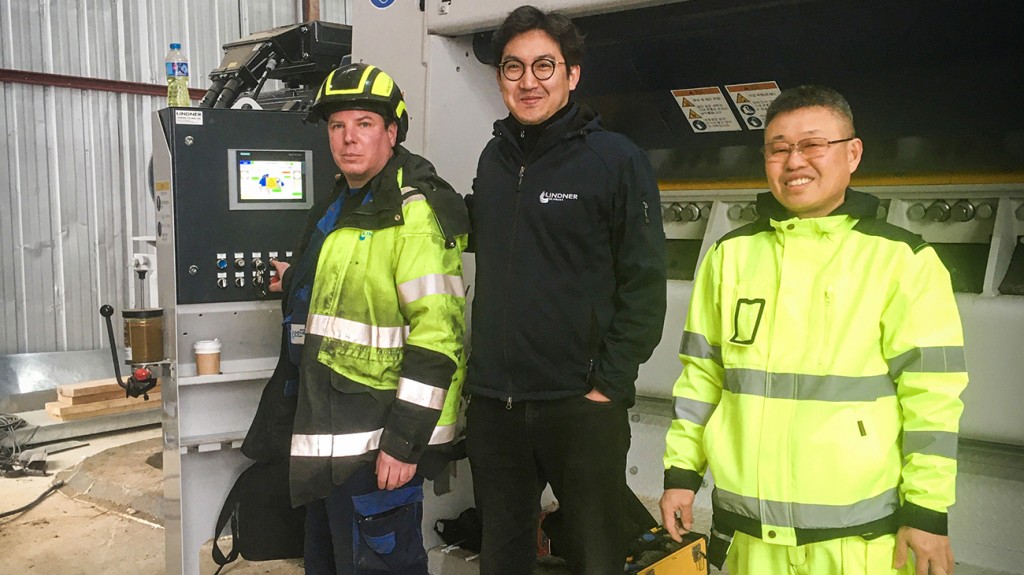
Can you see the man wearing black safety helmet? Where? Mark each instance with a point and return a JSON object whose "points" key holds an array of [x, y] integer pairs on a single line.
{"points": [[375, 305]]}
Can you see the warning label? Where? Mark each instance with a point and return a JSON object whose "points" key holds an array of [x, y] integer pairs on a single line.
{"points": [[752, 100], [707, 110]]}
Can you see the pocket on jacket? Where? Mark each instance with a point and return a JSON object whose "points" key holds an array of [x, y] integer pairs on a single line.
{"points": [[388, 532]]}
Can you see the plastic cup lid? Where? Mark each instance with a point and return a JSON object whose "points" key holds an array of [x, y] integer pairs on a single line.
{"points": [[207, 345]]}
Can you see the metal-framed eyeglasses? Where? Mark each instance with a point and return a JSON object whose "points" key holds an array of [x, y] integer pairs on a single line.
{"points": [[808, 148], [542, 68]]}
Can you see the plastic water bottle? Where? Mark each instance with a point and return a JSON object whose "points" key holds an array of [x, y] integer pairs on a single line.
{"points": [[177, 77]]}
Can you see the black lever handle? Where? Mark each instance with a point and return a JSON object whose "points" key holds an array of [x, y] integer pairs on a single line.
{"points": [[106, 311]]}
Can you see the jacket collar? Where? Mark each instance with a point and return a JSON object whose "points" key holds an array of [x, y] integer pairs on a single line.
{"points": [[408, 170], [857, 205], [579, 120]]}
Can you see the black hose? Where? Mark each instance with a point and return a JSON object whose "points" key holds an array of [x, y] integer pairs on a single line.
{"points": [[211, 95], [52, 488]]}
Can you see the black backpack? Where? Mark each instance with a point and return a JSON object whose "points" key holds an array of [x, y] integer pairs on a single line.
{"points": [[264, 526]]}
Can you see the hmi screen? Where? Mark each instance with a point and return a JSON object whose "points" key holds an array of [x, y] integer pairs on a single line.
{"points": [[270, 179]]}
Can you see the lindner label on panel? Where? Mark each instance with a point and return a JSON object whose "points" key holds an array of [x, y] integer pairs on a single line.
{"points": [[190, 117]]}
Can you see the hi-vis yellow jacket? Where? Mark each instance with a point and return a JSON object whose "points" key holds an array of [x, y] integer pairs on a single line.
{"points": [[383, 363], [823, 364]]}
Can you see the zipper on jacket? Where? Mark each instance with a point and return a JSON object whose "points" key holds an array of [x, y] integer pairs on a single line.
{"points": [[508, 290], [647, 217], [827, 344]]}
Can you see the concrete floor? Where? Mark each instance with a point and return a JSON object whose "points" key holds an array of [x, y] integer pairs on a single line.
{"points": [[106, 518]]}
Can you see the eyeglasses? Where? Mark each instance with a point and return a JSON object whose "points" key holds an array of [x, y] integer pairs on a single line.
{"points": [[809, 148], [543, 69]]}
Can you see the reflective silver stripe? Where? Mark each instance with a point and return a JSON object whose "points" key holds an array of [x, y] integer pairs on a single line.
{"points": [[808, 515], [696, 345], [312, 445], [698, 412], [929, 360], [350, 444], [940, 443], [355, 332], [412, 198], [719, 535], [442, 434], [801, 386], [432, 284], [421, 394]]}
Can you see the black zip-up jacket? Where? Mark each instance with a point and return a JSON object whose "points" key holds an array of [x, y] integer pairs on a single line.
{"points": [[570, 263]]}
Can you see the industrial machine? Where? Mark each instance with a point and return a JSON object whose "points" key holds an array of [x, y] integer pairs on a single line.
{"points": [[300, 55], [232, 188], [932, 89]]}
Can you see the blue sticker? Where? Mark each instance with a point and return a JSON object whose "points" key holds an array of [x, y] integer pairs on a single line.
{"points": [[382, 3], [700, 126], [747, 109]]}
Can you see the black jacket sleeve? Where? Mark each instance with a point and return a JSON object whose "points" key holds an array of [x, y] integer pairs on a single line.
{"points": [[638, 249]]}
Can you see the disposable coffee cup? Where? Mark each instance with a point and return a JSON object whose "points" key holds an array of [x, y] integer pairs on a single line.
{"points": [[207, 356]]}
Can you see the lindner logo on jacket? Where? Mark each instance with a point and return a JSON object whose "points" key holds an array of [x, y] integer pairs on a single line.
{"points": [[546, 197]]}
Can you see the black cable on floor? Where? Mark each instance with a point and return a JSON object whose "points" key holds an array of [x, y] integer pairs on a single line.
{"points": [[52, 488]]}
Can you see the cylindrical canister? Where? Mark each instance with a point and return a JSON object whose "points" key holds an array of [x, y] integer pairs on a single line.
{"points": [[143, 335]]}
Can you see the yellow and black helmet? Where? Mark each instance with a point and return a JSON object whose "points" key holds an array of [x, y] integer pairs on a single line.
{"points": [[361, 87]]}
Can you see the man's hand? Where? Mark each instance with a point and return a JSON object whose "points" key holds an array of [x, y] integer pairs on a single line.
{"points": [[932, 552], [275, 281], [392, 473], [595, 395], [677, 512]]}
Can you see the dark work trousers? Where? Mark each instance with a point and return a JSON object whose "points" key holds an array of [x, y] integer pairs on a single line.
{"points": [[329, 536], [577, 446]]}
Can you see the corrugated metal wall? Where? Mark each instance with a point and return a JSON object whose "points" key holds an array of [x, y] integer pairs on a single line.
{"points": [[74, 164]]}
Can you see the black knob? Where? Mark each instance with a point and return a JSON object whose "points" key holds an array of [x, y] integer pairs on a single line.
{"points": [[938, 211], [106, 310], [690, 213], [962, 211], [915, 213]]}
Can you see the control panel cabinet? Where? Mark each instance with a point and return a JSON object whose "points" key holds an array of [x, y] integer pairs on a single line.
{"points": [[232, 190], [243, 182]]}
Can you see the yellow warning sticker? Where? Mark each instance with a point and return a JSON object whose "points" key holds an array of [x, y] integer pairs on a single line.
{"points": [[752, 101], [706, 109]]}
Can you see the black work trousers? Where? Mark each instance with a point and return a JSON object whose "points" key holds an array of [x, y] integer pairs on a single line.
{"points": [[577, 446]]}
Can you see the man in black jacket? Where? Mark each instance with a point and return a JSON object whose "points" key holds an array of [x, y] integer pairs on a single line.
{"points": [[570, 300]]}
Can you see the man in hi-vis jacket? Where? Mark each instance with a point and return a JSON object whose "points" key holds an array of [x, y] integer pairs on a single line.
{"points": [[823, 365]]}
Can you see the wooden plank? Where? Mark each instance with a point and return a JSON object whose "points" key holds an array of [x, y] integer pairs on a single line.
{"points": [[143, 406], [69, 412], [81, 399], [91, 387]]}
